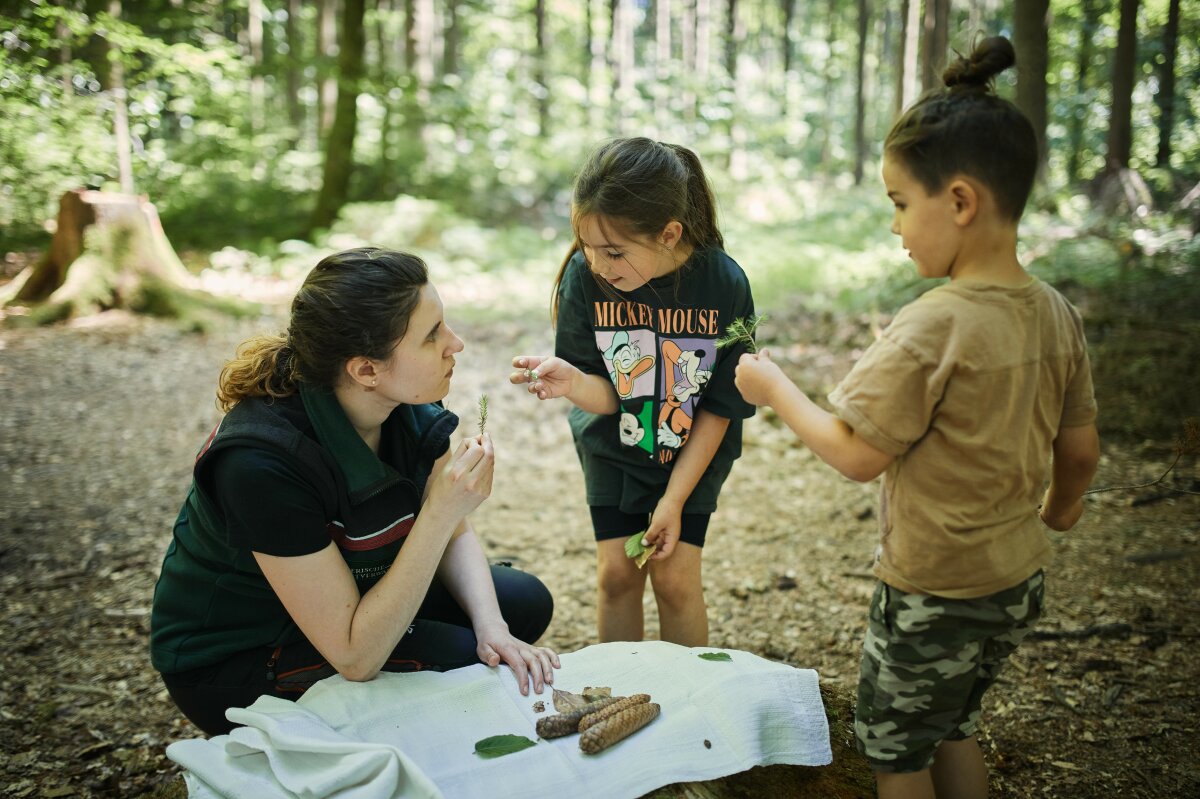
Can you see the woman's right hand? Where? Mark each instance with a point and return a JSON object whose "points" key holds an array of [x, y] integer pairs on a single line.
{"points": [[466, 480], [547, 377]]}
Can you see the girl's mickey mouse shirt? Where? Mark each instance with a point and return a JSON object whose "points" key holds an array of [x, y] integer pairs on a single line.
{"points": [[657, 344]]}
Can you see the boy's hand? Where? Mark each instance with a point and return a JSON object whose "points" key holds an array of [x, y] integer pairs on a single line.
{"points": [[546, 377], [1060, 519], [757, 376]]}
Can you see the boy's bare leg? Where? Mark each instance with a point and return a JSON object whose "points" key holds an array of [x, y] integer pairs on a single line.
{"points": [[679, 592], [959, 771], [620, 586], [906, 785]]}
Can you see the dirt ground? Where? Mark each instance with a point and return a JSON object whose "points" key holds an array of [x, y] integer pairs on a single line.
{"points": [[99, 422]]}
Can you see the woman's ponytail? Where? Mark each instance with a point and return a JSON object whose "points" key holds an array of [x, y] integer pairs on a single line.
{"points": [[263, 367]]}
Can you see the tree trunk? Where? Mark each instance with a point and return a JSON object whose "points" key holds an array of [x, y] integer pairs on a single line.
{"points": [[112, 80], [1166, 86], [539, 68], [933, 54], [1120, 129], [785, 47], [258, 88], [598, 79], [731, 41], [623, 59], [662, 58], [827, 120], [1083, 64], [703, 51], [860, 94], [339, 147], [1031, 43], [687, 46], [326, 81], [295, 110], [906, 55], [451, 39], [109, 251]]}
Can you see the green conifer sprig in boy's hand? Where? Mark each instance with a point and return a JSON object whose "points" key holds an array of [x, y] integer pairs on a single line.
{"points": [[741, 331], [483, 400]]}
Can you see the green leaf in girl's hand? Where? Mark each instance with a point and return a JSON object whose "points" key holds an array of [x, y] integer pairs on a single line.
{"points": [[500, 745], [714, 656], [634, 548]]}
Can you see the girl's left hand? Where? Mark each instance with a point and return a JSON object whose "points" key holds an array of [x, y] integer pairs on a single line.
{"points": [[664, 530], [530, 664]]}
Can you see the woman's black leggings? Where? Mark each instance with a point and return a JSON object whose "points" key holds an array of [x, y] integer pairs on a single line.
{"points": [[440, 638]]}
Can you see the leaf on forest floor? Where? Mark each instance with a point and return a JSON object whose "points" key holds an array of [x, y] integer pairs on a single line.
{"points": [[565, 701], [500, 745]]}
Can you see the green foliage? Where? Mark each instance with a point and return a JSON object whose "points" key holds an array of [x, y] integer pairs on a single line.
{"points": [[500, 745]]}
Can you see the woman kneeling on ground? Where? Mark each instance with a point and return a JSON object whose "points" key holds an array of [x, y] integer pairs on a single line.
{"points": [[326, 526]]}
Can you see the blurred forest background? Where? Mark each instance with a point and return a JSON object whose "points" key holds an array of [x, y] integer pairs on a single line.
{"points": [[193, 159], [266, 132]]}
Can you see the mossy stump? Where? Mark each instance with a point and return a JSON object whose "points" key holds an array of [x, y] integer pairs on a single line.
{"points": [[109, 251]]}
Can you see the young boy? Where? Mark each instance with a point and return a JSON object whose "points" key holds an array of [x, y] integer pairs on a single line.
{"points": [[959, 405]]}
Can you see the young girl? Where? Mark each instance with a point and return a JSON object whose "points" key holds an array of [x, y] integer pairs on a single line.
{"points": [[642, 296], [960, 404]]}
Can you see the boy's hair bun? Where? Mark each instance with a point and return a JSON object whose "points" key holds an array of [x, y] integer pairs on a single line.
{"points": [[989, 58]]}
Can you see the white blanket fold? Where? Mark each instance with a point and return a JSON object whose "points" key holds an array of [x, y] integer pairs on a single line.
{"points": [[413, 735]]}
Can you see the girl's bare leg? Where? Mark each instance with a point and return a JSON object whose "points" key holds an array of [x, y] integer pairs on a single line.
{"points": [[679, 592], [620, 586]]}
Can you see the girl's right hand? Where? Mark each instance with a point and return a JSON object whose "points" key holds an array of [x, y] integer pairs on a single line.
{"points": [[547, 377], [466, 480]]}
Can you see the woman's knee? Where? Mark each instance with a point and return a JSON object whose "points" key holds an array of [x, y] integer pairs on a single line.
{"points": [[525, 602]]}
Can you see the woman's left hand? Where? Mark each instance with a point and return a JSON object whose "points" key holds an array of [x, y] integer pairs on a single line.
{"points": [[531, 664]]}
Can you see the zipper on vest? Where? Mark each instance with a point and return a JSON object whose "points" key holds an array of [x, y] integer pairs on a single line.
{"points": [[271, 663]]}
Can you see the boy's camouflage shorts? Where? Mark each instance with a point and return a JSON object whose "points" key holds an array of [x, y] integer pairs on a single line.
{"points": [[926, 664]]}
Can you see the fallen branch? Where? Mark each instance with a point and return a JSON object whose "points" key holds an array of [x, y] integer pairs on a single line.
{"points": [[1188, 445], [1114, 630]]}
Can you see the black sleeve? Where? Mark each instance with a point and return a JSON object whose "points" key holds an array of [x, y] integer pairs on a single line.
{"points": [[267, 506], [722, 397]]}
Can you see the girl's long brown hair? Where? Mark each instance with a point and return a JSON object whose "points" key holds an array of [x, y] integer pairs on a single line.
{"points": [[640, 185]]}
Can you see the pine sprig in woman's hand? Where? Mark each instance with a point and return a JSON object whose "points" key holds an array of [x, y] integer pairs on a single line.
{"points": [[483, 402], [741, 331]]}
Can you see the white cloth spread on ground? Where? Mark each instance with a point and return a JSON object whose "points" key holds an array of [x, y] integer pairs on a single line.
{"points": [[413, 735]]}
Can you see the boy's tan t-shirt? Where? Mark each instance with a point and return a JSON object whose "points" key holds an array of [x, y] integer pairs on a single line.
{"points": [[968, 388]]}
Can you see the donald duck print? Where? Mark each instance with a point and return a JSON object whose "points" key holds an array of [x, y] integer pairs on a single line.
{"points": [[660, 369]]}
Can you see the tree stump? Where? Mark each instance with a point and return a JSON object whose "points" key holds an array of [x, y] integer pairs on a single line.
{"points": [[109, 251]]}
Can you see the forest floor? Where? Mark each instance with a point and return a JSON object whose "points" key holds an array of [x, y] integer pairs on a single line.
{"points": [[100, 420]]}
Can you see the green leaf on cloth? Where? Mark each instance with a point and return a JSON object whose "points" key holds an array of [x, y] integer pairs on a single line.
{"points": [[500, 745]]}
